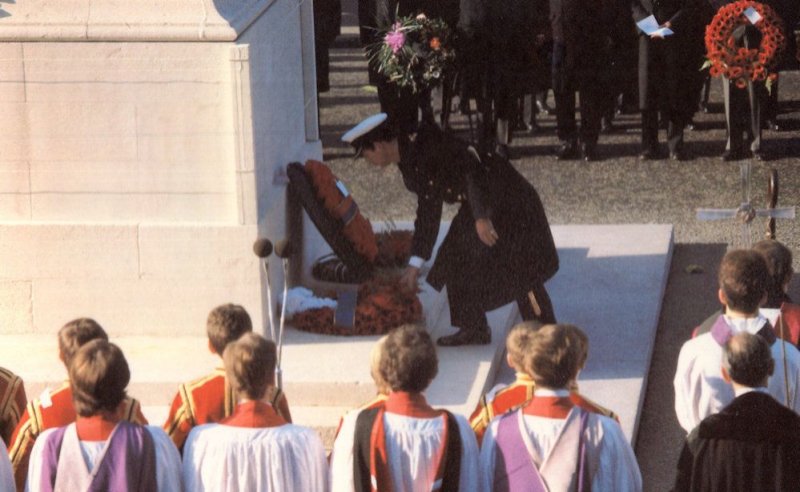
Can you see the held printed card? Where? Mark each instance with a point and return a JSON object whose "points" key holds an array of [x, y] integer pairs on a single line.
{"points": [[752, 15], [649, 26]]}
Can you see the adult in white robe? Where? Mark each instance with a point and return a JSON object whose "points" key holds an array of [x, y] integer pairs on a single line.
{"points": [[168, 460], [609, 455], [218, 457], [6, 473], [412, 446], [700, 390]]}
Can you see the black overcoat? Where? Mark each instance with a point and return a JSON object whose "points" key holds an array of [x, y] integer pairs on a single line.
{"points": [[440, 168], [752, 444], [580, 36], [667, 80]]}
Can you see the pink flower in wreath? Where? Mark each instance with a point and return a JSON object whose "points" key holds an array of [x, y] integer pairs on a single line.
{"points": [[395, 39]]}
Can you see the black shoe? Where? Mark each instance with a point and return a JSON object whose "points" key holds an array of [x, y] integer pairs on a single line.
{"points": [[679, 155], [502, 151], [758, 156], [650, 154], [606, 126], [589, 152], [464, 337], [543, 108], [691, 126], [567, 152], [772, 125], [732, 155]]}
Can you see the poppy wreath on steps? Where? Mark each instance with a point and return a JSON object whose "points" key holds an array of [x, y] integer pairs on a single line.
{"points": [[382, 306]]}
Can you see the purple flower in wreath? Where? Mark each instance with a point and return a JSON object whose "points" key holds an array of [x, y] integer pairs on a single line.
{"points": [[395, 39]]}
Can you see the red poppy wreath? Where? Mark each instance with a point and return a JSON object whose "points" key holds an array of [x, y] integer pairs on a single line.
{"points": [[740, 64]]}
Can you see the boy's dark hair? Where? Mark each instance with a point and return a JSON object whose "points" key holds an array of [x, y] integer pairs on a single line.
{"points": [[98, 375], [225, 324], [748, 359], [409, 361], [555, 355], [73, 335], [779, 266], [250, 365], [743, 279]]}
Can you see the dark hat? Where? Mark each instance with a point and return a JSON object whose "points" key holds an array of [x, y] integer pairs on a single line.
{"points": [[360, 133]]}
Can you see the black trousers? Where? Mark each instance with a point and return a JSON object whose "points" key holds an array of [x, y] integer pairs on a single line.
{"points": [[743, 114], [470, 316], [591, 112]]}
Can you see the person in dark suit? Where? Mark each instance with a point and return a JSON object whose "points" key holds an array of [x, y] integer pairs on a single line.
{"points": [[752, 443], [327, 25], [579, 65], [666, 74], [499, 247], [402, 105]]}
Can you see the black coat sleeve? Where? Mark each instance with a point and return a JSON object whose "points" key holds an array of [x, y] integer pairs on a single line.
{"points": [[426, 225]]}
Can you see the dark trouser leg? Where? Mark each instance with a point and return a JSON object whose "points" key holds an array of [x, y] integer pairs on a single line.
{"points": [[650, 128], [566, 127], [754, 98], [770, 110], [675, 131], [527, 309], [594, 101], [735, 113], [465, 313]]}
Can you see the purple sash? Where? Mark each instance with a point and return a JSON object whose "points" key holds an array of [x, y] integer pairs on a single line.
{"points": [[128, 461], [515, 469], [721, 332]]}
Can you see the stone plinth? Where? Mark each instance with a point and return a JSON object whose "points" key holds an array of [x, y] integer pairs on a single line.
{"points": [[139, 147]]}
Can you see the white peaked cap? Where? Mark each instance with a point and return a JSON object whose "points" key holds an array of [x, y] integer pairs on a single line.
{"points": [[364, 127]]}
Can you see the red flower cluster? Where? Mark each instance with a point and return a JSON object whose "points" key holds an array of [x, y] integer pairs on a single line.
{"points": [[358, 230], [382, 305], [742, 64]]}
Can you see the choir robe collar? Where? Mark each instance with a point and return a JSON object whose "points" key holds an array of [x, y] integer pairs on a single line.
{"points": [[554, 404], [410, 405], [95, 428], [725, 327], [254, 414]]}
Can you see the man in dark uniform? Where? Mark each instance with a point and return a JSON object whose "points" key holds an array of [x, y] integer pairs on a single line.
{"points": [[666, 73], [752, 443], [499, 247], [579, 64]]}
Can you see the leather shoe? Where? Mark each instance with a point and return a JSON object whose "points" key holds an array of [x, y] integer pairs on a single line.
{"points": [[589, 152], [772, 125], [759, 156], [649, 154], [606, 126], [567, 151], [482, 336], [679, 155], [732, 155]]}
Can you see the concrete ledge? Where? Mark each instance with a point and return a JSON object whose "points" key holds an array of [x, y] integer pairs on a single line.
{"points": [[119, 20]]}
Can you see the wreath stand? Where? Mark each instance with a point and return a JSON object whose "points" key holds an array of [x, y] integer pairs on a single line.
{"points": [[351, 270]]}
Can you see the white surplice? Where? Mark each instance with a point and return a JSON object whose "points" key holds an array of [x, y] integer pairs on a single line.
{"points": [[412, 448], [220, 458], [608, 452], [168, 460], [6, 473], [700, 390]]}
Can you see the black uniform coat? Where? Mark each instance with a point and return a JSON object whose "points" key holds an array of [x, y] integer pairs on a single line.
{"points": [[753, 444], [440, 168], [580, 34], [670, 84]]}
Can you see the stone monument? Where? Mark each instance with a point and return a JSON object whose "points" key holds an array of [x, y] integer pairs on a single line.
{"points": [[142, 151]]}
